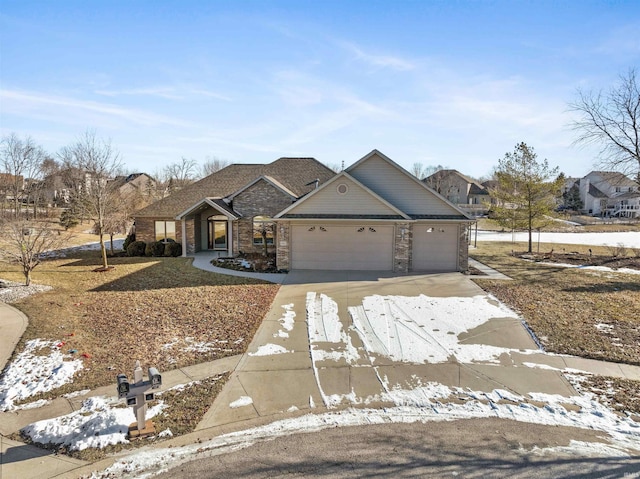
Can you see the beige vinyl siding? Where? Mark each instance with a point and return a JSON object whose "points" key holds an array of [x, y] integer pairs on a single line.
{"points": [[399, 189], [356, 201]]}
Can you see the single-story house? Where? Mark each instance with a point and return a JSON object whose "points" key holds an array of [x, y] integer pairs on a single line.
{"points": [[374, 215], [231, 210]]}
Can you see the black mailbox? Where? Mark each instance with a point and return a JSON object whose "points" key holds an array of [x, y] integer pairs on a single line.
{"points": [[155, 378], [123, 385]]}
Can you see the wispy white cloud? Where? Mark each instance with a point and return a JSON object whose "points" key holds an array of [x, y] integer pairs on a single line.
{"points": [[160, 92], [377, 60], [169, 93], [58, 108]]}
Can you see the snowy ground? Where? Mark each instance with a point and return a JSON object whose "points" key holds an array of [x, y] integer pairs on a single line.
{"points": [[628, 239], [412, 330], [41, 367]]}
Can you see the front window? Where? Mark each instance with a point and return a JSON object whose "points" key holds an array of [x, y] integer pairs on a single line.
{"points": [[165, 231], [263, 228]]}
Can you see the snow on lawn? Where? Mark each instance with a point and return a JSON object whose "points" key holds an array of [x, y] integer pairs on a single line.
{"points": [[426, 404], [628, 239], [33, 372], [592, 268], [97, 424]]}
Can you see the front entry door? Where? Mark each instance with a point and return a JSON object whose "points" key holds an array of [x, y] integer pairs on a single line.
{"points": [[218, 235]]}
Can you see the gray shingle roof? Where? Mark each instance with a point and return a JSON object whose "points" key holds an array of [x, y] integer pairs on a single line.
{"points": [[292, 173]]}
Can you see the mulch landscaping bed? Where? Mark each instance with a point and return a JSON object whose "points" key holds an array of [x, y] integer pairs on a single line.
{"points": [[583, 259]]}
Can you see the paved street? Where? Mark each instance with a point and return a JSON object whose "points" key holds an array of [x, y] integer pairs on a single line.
{"points": [[481, 448]]}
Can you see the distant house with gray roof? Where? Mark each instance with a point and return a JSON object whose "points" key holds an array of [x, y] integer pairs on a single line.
{"points": [[609, 193], [467, 193]]}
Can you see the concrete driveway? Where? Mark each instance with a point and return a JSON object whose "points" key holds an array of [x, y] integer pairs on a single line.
{"points": [[284, 373]]}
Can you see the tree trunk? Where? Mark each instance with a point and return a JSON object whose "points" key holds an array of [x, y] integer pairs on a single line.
{"points": [[27, 277], [103, 250], [111, 244]]}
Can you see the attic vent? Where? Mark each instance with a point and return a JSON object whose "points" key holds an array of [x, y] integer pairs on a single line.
{"points": [[342, 189]]}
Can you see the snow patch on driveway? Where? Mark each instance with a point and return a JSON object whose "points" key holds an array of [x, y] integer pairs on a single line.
{"points": [[425, 329]]}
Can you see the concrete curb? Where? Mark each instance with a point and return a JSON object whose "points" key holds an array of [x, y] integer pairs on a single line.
{"points": [[13, 324]]}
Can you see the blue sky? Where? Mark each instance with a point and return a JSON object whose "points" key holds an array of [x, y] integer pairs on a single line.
{"points": [[452, 83]]}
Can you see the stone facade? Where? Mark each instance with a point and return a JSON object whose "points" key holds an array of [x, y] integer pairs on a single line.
{"points": [[190, 227], [283, 249], [260, 199], [402, 247]]}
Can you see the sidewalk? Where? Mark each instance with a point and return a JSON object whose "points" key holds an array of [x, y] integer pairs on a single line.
{"points": [[12, 326]]}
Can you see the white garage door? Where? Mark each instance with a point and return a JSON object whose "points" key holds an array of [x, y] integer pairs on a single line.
{"points": [[360, 247], [435, 247]]}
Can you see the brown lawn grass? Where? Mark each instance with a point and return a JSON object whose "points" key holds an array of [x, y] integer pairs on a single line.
{"points": [[566, 307], [151, 309]]}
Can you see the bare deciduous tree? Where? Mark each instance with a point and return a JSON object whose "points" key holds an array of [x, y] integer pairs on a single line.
{"points": [[417, 170], [21, 162], [335, 167], [612, 120], [27, 242], [180, 174], [99, 162], [211, 165]]}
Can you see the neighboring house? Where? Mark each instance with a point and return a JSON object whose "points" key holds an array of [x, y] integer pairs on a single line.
{"points": [[611, 194], [374, 215], [135, 184], [231, 210], [461, 190]]}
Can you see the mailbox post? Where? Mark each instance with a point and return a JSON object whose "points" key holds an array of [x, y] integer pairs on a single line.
{"points": [[137, 396]]}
